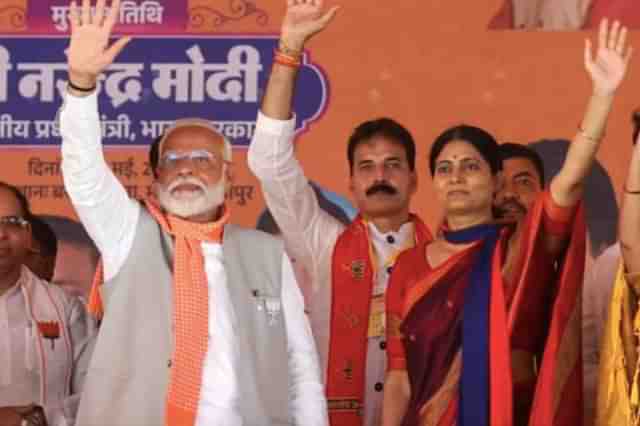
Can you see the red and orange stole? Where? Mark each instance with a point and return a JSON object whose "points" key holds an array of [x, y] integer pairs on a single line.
{"points": [[537, 316], [190, 311], [353, 274]]}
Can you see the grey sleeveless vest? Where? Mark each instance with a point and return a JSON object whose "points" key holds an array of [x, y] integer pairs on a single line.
{"points": [[128, 375]]}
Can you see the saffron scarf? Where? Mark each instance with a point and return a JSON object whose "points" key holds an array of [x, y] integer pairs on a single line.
{"points": [[190, 313]]}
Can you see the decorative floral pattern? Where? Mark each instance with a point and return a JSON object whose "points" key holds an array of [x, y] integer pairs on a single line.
{"points": [[202, 18], [13, 18]]}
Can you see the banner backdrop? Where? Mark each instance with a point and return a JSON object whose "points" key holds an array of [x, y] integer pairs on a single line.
{"points": [[428, 64]]}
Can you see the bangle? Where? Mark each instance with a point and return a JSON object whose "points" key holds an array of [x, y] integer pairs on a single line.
{"points": [[80, 89], [630, 192], [288, 51], [286, 60], [289, 58], [588, 136]]}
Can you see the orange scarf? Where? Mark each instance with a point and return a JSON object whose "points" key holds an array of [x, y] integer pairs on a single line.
{"points": [[191, 310]]}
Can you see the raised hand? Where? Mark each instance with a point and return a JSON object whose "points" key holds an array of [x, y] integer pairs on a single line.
{"points": [[612, 57], [89, 52], [304, 19]]}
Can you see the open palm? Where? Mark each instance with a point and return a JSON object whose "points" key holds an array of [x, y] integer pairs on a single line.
{"points": [[304, 19], [89, 52], [612, 57]]}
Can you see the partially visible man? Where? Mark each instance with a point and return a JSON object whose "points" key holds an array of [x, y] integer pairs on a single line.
{"points": [[523, 180], [77, 255], [44, 338], [524, 176], [62, 253], [349, 265], [41, 258], [203, 321]]}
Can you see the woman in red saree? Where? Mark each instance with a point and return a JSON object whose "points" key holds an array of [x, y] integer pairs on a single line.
{"points": [[483, 322]]}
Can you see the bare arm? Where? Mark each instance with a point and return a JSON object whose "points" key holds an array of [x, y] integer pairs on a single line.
{"points": [[304, 19], [396, 397], [629, 227], [607, 71]]}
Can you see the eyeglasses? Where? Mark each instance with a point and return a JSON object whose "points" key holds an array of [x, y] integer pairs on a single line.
{"points": [[13, 223], [200, 158]]}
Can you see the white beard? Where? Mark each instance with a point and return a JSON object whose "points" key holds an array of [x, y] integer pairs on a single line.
{"points": [[193, 203]]}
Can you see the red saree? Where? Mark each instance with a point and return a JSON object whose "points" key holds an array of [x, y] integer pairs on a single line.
{"points": [[536, 317]]}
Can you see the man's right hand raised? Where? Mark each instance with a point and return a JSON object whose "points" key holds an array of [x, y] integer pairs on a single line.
{"points": [[89, 52], [304, 19]]}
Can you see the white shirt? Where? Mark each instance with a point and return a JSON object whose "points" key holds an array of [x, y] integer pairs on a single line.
{"points": [[97, 195], [310, 235], [20, 371]]}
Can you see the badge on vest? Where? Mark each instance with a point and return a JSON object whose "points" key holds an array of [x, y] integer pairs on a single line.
{"points": [[270, 304], [50, 330]]}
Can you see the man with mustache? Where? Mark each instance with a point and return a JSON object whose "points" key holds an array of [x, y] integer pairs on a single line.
{"points": [[523, 179], [203, 321], [349, 265], [45, 342]]}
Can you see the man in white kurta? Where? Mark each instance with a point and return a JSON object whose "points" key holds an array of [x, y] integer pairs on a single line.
{"points": [[45, 340], [96, 194], [310, 234], [112, 219], [383, 180]]}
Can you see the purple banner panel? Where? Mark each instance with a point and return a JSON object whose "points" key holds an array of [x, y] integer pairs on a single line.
{"points": [[154, 81], [135, 17]]}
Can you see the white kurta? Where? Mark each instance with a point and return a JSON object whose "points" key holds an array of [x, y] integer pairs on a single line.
{"points": [[97, 195], [20, 355], [310, 235]]}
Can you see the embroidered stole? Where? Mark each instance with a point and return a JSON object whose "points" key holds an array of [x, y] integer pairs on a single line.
{"points": [[353, 275]]}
